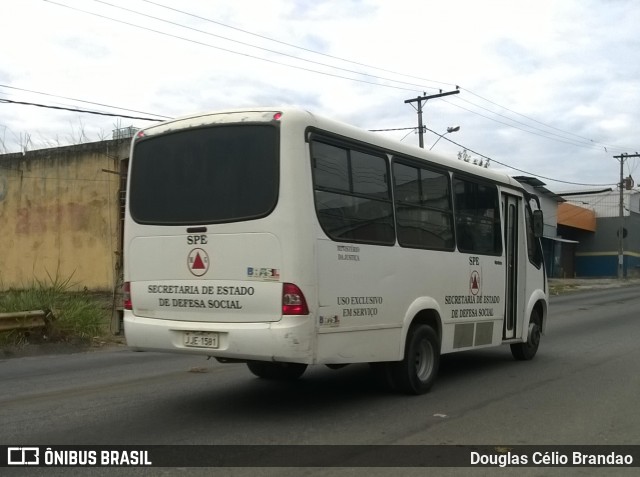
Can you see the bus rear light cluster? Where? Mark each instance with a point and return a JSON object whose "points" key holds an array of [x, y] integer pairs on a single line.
{"points": [[126, 291], [293, 301]]}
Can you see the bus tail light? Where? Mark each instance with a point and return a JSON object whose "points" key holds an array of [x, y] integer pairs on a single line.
{"points": [[293, 301], [126, 291]]}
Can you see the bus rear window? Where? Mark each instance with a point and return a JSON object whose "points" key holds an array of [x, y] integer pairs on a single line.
{"points": [[206, 175]]}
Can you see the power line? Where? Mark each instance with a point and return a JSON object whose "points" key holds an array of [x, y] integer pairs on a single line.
{"points": [[391, 129], [373, 130], [515, 168], [489, 158], [227, 50], [292, 45], [257, 47], [539, 122], [573, 202], [48, 106], [543, 133], [80, 100], [426, 98], [588, 141], [568, 141], [306, 69]]}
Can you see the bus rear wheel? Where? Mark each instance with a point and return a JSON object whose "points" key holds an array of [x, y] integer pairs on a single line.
{"points": [[527, 350], [277, 371], [416, 373]]}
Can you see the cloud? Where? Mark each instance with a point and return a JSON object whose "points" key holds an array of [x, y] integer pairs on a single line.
{"points": [[545, 84]]}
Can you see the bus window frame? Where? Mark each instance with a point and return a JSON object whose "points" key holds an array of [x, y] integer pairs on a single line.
{"points": [[330, 140], [479, 180], [431, 167]]}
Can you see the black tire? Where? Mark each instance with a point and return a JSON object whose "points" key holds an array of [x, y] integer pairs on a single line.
{"points": [[277, 371], [382, 374], [526, 351], [416, 373]]}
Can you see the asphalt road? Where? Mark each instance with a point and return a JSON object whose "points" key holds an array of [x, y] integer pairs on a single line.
{"points": [[582, 388]]}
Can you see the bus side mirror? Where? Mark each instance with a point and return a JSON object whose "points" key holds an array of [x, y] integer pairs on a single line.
{"points": [[538, 223]]}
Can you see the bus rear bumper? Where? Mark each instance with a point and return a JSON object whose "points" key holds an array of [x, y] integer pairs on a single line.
{"points": [[287, 340]]}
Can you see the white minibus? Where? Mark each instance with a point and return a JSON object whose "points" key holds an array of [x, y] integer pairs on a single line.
{"points": [[282, 239]]}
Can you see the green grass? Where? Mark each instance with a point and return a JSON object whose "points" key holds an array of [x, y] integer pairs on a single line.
{"points": [[559, 289], [79, 317]]}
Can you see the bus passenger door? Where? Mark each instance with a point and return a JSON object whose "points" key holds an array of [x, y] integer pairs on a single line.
{"points": [[511, 208]]}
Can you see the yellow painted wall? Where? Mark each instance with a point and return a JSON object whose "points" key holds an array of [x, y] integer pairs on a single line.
{"points": [[59, 215]]}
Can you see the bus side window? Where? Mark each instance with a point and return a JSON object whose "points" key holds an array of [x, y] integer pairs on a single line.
{"points": [[352, 194], [477, 214], [423, 207]]}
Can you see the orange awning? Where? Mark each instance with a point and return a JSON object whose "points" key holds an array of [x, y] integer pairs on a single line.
{"points": [[576, 217]]}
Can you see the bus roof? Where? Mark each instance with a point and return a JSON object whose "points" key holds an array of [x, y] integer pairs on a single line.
{"points": [[333, 126]]}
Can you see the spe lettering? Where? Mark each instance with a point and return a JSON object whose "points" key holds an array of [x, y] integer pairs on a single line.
{"points": [[196, 239]]}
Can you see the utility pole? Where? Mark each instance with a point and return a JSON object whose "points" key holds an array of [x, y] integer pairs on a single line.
{"points": [[621, 185], [425, 98]]}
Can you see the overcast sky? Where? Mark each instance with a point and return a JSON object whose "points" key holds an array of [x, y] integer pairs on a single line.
{"points": [[549, 87]]}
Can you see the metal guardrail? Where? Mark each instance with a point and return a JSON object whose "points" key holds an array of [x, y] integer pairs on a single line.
{"points": [[25, 320]]}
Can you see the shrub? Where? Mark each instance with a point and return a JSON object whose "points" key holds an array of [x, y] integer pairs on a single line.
{"points": [[78, 316]]}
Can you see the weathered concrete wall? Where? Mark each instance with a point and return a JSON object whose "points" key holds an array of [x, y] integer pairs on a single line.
{"points": [[59, 215]]}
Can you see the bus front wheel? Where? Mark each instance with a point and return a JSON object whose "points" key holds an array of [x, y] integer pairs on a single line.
{"points": [[416, 373], [276, 370], [527, 350]]}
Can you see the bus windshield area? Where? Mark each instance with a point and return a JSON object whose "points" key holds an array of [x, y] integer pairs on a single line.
{"points": [[205, 175]]}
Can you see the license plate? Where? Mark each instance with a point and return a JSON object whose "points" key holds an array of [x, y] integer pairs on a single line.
{"points": [[201, 339]]}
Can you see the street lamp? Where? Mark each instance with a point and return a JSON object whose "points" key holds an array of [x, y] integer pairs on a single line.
{"points": [[450, 129]]}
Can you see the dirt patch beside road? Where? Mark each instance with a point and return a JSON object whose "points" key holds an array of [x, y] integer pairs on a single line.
{"points": [[60, 347], [558, 286]]}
